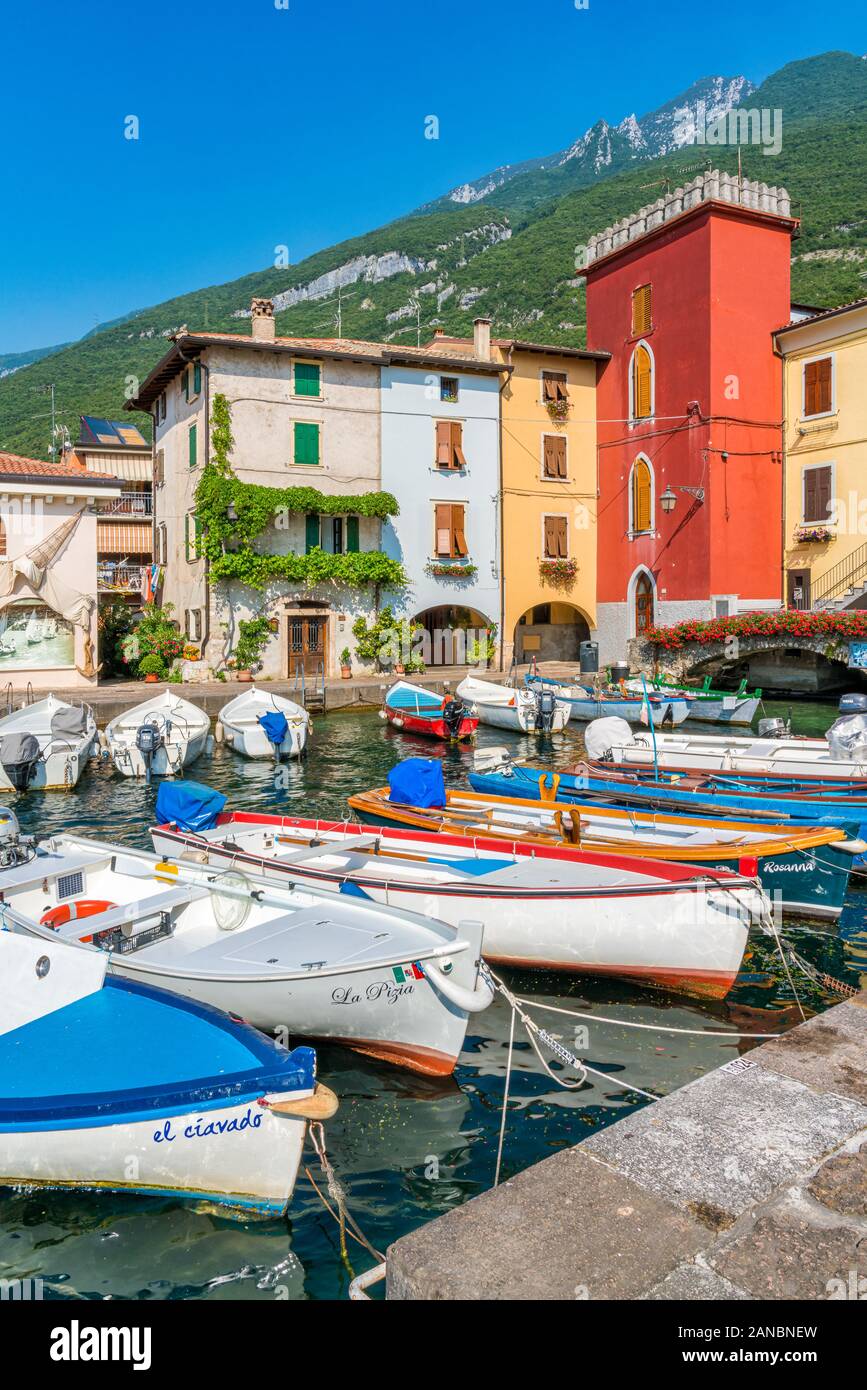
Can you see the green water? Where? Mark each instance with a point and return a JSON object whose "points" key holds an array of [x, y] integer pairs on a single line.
{"points": [[406, 1148]]}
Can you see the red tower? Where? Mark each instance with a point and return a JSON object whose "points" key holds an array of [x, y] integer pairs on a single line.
{"points": [[685, 296]]}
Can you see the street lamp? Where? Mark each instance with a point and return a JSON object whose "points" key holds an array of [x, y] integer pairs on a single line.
{"points": [[668, 500]]}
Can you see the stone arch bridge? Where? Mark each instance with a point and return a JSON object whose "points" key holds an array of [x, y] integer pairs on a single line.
{"points": [[782, 662]]}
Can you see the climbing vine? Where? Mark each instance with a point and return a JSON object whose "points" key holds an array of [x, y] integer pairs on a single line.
{"points": [[232, 514]]}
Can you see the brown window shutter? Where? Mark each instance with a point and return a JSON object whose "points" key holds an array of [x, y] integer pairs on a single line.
{"points": [[641, 392], [823, 385], [562, 547], [561, 389], [550, 463], [811, 395], [549, 392], [641, 310], [459, 544], [559, 457], [444, 444], [810, 502], [823, 492], [550, 538], [457, 440], [443, 525]]}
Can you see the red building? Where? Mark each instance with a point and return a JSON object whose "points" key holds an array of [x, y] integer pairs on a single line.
{"points": [[685, 296]]}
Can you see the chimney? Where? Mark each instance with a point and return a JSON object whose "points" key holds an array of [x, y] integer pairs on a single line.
{"points": [[439, 333], [482, 339], [262, 311]]}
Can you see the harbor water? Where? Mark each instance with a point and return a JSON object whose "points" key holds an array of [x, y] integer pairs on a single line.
{"points": [[405, 1148]]}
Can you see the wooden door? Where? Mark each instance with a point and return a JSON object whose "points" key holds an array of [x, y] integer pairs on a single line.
{"points": [[643, 605], [798, 588], [307, 642]]}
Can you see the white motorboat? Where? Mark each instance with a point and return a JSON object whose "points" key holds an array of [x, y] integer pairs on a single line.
{"points": [[45, 746], [260, 724], [667, 925], [159, 737], [524, 710], [735, 754], [706, 706], [293, 960], [154, 1095]]}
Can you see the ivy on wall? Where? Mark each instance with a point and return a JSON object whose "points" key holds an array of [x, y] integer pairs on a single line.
{"points": [[232, 514]]}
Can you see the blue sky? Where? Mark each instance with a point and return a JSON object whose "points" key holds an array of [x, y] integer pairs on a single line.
{"points": [[303, 125]]}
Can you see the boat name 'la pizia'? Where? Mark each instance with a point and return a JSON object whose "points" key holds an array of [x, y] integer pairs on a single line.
{"points": [[196, 1131], [377, 990]]}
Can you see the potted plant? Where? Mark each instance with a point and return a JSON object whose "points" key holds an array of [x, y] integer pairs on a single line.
{"points": [[346, 663], [253, 636], [152, 668]]}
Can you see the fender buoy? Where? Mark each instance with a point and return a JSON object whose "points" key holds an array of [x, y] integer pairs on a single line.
{"points": [[70, 912]]}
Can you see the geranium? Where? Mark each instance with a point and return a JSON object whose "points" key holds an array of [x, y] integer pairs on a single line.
{"points": [[790, 622]]}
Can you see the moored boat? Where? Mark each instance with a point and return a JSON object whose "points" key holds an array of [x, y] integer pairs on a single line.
{"points": [[806, 868], [261, 724], [45, 746], [157, 738], [663, 925], [521, 710], [803, 758], [588, 703], [415, 710], [706, 705], [393, 984], [156, 1095]]}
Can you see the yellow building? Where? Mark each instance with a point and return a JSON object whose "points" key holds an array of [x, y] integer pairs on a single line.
{"points": [[825, 435], [548, 494]]}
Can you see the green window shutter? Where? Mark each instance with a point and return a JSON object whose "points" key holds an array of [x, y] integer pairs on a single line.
{"points": [[192, 532], [187, 535], [306, 443], [185, 383], [352, 533], [193, 443], [312, 531], [306, 379], [197, 378]]}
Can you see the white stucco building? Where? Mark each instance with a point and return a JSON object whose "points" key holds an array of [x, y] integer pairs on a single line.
{"points": [[48, 571]]}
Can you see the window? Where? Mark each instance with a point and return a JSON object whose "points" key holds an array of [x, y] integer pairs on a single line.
{"points": [[305, 443], [161, 408], [449, 389], [556, 538], [554, 456], [818, 481], [159, 467], [642, 497], [642, 383], [450, 452], [641, 311], [197, 378], [162, 546], [193, 624], [2, 539], [193, 446], [312, 532], [192, 537], [554, 388], [185, 384], [450, 539], [307, 379], [819, 387]]}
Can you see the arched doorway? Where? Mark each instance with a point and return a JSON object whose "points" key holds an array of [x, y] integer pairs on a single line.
{"points": [[550, 632], [643, 603], [456, 636]]}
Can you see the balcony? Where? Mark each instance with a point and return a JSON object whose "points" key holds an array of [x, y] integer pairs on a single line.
{"points": [[119, 579], [132, 504]]}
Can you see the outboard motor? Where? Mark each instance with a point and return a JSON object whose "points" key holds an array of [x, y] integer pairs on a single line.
{"points": [[15, 848], [19, 754], [149, 738], [453, 714], [853, 704], [546, 708], [774, 728]]}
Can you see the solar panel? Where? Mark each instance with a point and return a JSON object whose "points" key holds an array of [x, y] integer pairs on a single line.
{"points": [[112, 432]]}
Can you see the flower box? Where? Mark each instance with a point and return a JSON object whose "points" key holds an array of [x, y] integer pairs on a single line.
{"points": [[813, 535], [441, 569], [558, 571]]}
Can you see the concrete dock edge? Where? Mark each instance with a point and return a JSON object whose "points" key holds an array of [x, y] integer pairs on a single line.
{"points": [[748, 1183]]}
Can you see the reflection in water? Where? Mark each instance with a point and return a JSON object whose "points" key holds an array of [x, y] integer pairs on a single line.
{"points": [[406, 1148]]}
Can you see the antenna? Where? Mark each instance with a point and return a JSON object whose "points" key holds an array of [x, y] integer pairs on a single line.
{"points": [[337, 321], [46, 390]]}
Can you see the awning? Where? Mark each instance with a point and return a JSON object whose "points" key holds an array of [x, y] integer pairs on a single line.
{"points": [[123, 538]]}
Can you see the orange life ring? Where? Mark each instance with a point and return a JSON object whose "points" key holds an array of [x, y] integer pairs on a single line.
{"points": [[70, 912]]}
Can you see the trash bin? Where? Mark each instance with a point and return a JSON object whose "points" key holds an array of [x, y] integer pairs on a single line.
{"points": [[619, 671], [588, 655]]}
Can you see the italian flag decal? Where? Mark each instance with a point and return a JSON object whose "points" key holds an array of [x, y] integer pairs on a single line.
{"points": [[405, 974]]}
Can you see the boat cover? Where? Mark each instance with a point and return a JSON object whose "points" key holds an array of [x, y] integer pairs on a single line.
{"points": [[276, 726], [69, 720], [417, 782], [189, 805], [19, 754]]}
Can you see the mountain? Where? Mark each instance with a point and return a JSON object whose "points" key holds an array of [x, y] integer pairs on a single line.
{"points": [[508, 252], [13, 361], [608, 147]]}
